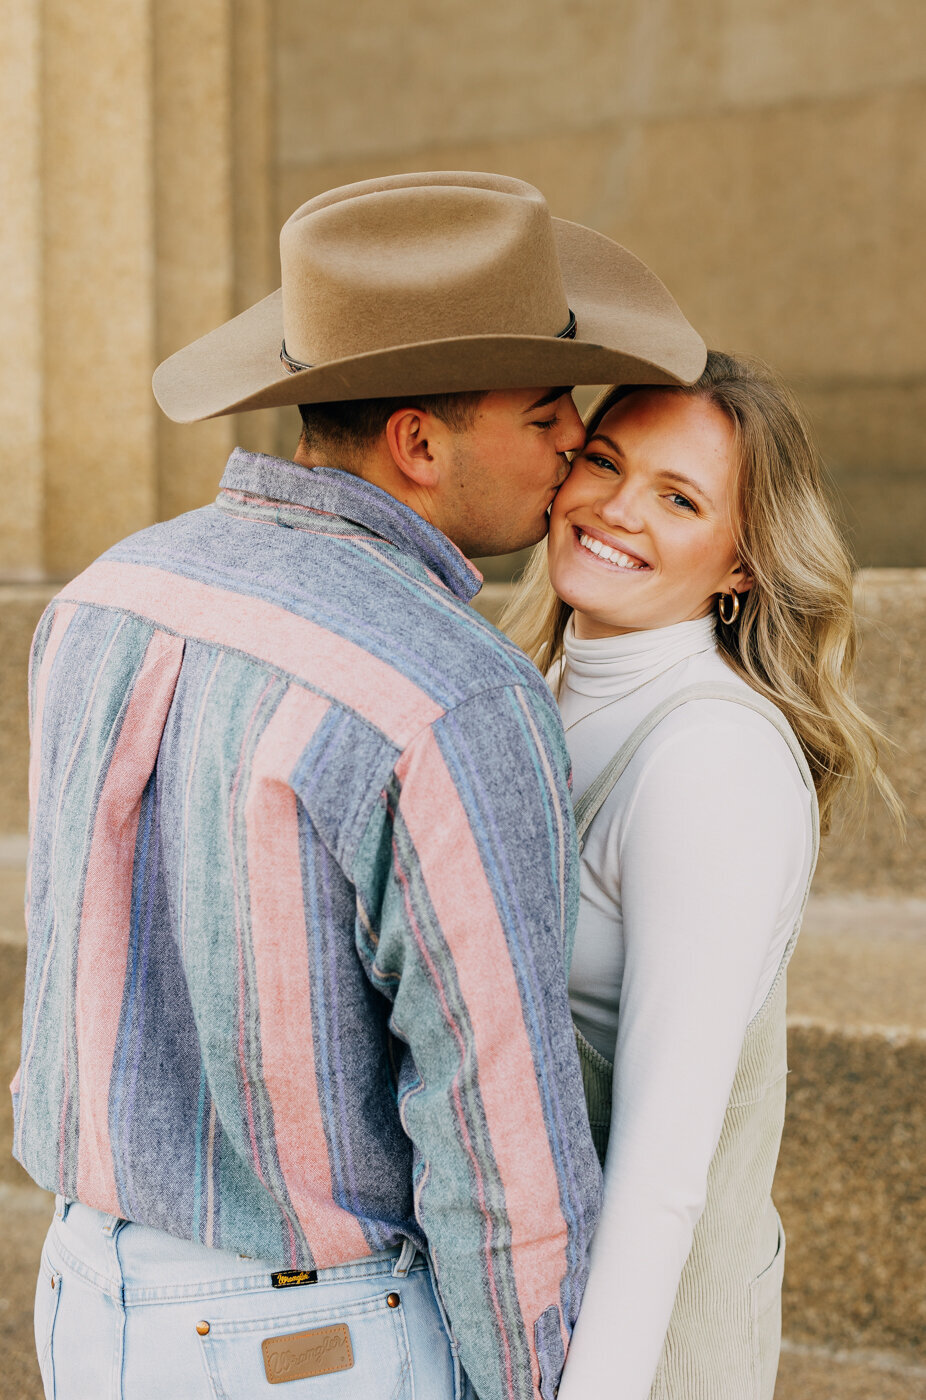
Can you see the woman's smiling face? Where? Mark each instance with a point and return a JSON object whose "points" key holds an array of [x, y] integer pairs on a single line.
{"points": [[641, 532]]}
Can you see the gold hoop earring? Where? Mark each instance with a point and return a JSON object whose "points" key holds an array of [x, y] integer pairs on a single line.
{"points": [[734, 611]]}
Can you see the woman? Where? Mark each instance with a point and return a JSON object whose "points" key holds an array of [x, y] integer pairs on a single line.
{"points": [[696, 623]]}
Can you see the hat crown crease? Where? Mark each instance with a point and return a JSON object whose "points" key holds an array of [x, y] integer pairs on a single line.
{"points": [[418, 264]]}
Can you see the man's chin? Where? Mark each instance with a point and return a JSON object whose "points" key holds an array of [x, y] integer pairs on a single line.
{"points": [[525, 539]]}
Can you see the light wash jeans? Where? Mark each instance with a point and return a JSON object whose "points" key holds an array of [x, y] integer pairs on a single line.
{"points": [[123, 1312]]}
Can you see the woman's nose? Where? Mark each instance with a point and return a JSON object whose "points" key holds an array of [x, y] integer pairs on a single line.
{"points": [[621, 506]]}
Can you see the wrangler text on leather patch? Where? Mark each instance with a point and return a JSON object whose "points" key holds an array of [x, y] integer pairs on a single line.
{"points": [[301, 1354]]}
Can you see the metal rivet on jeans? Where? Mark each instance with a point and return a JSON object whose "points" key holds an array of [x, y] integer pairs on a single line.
{"points": [[202, 1328], [393, 1300]]}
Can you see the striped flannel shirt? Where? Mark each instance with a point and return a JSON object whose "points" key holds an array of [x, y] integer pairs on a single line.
{"points": [[301, 889]]}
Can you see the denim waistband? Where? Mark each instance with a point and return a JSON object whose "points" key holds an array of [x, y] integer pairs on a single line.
{"points": [[138, 1264]]}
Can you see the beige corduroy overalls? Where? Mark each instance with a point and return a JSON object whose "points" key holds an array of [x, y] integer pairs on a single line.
{"points": [[724, 1334]]}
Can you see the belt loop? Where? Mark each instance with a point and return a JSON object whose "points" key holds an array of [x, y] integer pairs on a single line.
{"points": [[62, 1206], [110, 1225], [405, 1260]]}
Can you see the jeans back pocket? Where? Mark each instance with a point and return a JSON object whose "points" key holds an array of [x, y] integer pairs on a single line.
{"points": [[358, 1347]]}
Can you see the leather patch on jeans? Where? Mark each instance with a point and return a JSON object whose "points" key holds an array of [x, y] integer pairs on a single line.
{"points": [[293, 1278], [299, 1355]]}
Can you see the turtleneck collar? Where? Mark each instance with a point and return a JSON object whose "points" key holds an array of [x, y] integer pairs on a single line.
{"points": [[616, 665]]}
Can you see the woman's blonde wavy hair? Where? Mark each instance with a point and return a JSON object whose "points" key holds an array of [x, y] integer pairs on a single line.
{"points": [[795, 640]]}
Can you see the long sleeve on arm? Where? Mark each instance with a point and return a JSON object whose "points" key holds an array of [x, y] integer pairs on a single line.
{"points": [[710, 849], [468, 901]]}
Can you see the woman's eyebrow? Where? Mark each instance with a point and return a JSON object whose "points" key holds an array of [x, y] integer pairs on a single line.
{"points": [[603, 437]]}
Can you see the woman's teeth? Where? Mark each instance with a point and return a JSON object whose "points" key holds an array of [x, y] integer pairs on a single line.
{"points": [[613, 556]]}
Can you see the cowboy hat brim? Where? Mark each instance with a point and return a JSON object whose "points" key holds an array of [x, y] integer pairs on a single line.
{"points": [[621, 339]]}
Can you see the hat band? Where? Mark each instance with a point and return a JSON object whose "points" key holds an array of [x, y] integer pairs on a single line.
{"points": [[296, 366]]}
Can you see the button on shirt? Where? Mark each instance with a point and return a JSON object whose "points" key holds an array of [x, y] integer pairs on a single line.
{"points": [[302, 884]]}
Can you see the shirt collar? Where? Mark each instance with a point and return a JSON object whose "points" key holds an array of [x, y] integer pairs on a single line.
{"points": [[336, 492]]}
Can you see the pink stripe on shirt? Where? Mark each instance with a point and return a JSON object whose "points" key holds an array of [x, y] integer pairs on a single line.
{"points": [[102, 948], [280, 952], [346, 672], [465, 908]]}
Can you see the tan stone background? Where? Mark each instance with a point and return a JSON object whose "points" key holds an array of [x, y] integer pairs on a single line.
{"points": [[767, 158]]}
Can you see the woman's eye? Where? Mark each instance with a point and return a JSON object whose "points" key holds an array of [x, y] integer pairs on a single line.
{"points": [[678, 499], [596, 461]]}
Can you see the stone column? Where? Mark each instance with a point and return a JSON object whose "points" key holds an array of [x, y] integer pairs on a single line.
{"points": [[194, 232], [212, 210], [254, 212], [136, 175], [97, 276], [21, 553]]}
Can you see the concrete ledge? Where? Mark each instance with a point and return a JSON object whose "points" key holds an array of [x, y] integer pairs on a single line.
{"points": [[26, 1215], [891, 687], [814, 1373], [850, 1183], [13, 853], [860, 964], [850, 1190]]}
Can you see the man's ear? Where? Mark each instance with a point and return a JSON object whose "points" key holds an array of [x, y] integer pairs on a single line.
{"points": [[411, 437]]}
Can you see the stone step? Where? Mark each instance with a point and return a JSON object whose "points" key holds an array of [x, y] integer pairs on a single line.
{"points": [[26, 1214], [850, 1184], [815, 1373]]}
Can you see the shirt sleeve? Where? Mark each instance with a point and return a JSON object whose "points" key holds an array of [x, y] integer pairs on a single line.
{"points": [[713, 844], [470, 898]]}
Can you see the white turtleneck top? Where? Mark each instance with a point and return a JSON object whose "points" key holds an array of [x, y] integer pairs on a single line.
{"points": [[692, 878]]}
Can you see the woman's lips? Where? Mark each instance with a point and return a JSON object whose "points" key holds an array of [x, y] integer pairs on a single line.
{"points": [[606, 553]]}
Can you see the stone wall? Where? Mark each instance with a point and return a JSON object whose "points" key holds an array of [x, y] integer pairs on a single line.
{"points": [[765, 159]]}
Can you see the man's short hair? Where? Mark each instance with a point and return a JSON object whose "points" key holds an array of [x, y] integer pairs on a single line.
{"points": [[354, 424]]}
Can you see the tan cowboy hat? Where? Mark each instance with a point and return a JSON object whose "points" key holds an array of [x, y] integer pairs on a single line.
{"points": [[435, 283]]}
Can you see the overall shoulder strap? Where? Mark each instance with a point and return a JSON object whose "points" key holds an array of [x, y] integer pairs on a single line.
{"points": [[590, 803]]}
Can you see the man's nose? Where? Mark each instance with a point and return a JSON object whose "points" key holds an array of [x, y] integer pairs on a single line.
{"points": [[570, 430]]}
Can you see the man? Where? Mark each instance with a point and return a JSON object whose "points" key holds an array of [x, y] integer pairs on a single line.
{"points": [[297, 1053]]}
